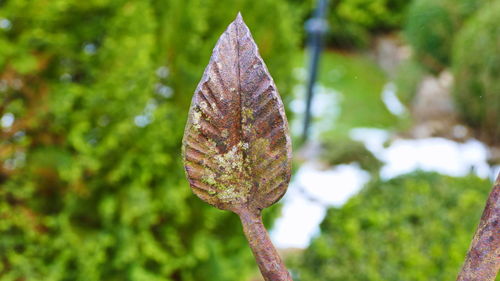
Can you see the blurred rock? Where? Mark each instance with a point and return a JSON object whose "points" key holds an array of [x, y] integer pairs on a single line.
{"points": [[433, 110], [390, 52]]}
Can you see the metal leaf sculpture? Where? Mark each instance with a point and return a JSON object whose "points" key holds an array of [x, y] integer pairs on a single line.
{"points": [[236, 147], [483, 260]]}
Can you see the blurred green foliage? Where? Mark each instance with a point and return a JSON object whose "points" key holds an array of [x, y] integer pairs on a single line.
{"points": [[360, 82], [353, 21], [408, 75], [343, 150], [93, 100], [476, 66], [414, 227], [92, 186], [431, 26]]}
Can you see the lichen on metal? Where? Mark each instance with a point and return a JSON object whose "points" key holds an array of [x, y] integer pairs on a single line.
{"points": [[236, 146]]}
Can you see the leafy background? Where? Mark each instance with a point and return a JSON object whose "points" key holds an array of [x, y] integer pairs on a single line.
{"points": [[97, 92]]}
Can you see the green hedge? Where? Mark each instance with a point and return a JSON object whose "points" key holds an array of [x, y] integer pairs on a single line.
{"points": [[414, 227], [92, 185], [431, 26], [476, 66], [338, 150], [353, 21]]}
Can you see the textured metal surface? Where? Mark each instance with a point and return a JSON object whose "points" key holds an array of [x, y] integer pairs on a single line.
{"points": [[483, 259], [236, 147], [268, 259]]}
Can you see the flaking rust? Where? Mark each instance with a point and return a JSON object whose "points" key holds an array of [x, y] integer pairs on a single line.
{"points": [[483, 259], [236, 146]]}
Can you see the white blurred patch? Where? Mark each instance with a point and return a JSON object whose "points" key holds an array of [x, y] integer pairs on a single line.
{"points": [[391, 100], [5, 24], [429, 154], [325, 109], [310, 193], [435, 154], [7, 120]]}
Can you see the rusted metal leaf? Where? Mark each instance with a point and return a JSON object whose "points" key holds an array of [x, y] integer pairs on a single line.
{"points": [[236, 147], [483, 259]]}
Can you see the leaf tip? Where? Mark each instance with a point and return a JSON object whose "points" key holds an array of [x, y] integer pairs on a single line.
{"points": [[239, 17]]}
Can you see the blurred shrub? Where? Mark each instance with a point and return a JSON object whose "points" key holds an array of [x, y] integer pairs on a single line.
{"points": [[353, 21], [431, 26], [93, 100], [414, 227], [407, 77], [476, 66], [342, 150]]}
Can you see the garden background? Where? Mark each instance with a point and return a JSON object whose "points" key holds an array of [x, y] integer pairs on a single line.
{"points": [[94, 95]]}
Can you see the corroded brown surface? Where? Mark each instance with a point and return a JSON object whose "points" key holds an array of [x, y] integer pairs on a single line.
{"points": [[483, 259], [268, 259], [236, 147], [236, 144]]}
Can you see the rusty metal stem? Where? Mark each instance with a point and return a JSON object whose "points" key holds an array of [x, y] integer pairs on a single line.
{"points": [[270, 264], [483, 260]]}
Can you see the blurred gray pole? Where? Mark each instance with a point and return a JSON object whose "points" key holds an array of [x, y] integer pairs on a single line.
{"points": [[316, 27]]}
